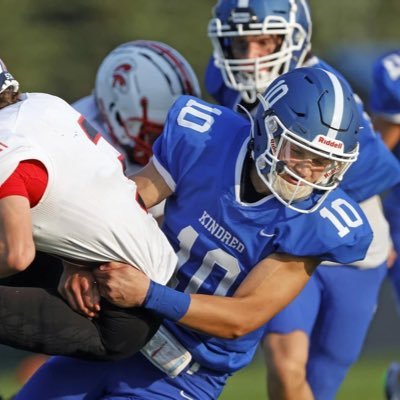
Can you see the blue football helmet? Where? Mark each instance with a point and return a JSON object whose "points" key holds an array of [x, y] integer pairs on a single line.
{"points": [[289, 19], [6, 79], [307, 118]]}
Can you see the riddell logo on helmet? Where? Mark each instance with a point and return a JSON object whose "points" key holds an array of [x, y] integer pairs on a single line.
{"points": [[332, 143]]}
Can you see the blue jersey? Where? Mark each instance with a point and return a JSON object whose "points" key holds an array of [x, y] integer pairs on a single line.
{"points": [[218, 237], [376, 169], [385, 101], [385, 93]]}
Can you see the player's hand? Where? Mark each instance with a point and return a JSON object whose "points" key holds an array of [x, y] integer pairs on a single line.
{"points": [[122, 284], [79, 288]]}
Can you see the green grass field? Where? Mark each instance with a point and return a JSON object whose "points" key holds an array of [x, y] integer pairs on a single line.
{"points": [[364, 382]]}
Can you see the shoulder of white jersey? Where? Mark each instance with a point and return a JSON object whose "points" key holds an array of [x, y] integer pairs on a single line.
{"points": [[15, 146], [46, 104], [34, 111], [87, 106], [45, 97]]}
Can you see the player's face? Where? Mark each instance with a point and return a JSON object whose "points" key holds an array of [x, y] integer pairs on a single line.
{"points": [[244, 47], [304, 163]]}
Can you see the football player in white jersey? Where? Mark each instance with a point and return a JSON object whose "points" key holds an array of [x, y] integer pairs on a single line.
{"points": [[63, 192], [135, 85]]}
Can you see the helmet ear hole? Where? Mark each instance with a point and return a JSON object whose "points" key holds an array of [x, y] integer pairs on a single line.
{"points": [[119, 119]]}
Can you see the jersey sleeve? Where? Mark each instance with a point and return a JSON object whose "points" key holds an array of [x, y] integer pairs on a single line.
{"points": [[29, 180], [14, 185], [13, 150], [9, 160], [187, 130], [337, 232]]}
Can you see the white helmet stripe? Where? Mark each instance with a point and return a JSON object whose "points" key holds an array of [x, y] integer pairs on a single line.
{"points": [[339, 104], [243, 3]]}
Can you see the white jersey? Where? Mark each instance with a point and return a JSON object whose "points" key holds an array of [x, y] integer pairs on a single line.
{"points": [[87, 106], [89, 211]]}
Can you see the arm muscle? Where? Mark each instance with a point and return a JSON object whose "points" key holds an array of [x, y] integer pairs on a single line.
{"points": [[270, 286]]}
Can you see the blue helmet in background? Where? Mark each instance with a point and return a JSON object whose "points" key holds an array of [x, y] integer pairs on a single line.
{"points": [[6, 79], [289, 19], [308, 115]]}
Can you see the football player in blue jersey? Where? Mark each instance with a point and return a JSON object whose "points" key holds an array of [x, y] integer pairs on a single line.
{"points": [[250, 217], [310, 346], [385, 106]]}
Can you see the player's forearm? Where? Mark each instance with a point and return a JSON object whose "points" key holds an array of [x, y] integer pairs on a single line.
{"points": [[226, 317], [271, 285], [15, 260]]}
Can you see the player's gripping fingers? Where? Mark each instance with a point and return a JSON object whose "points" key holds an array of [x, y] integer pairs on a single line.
{"points": [[64, 289], [73, 283], [122, 284], [81, 289], [91, 295]]}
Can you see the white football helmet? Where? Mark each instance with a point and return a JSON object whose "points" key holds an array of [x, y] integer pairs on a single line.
{"points": [[136, 85], [6, 79]]}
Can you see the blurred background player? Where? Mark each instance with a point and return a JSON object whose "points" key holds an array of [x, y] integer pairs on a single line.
{"points": [[252, 209], [385, 106], [310, 346]]}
